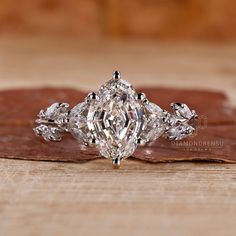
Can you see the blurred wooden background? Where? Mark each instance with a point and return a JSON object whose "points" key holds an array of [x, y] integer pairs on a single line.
{"points": [[53, 198], [158, 19]]}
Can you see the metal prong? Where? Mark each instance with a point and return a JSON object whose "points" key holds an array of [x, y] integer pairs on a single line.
{"points": [[195, 116], [142, 97], [116, 75], [93, 142], [176, 105], [116, 163], [91, 96], [63, 105], [141, 142]]}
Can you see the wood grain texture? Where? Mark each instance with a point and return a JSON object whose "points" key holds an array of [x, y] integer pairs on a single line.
{"points": [[43, 198], [215, 139], [51, 198]]}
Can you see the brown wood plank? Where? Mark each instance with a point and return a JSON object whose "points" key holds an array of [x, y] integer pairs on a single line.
{"points": [[51, 198], [215, 142]]}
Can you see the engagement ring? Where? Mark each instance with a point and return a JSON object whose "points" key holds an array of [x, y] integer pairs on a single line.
{"points": [[116, 120]]}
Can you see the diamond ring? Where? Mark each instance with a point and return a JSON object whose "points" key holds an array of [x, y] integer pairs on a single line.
{"points": [[116, 120]]}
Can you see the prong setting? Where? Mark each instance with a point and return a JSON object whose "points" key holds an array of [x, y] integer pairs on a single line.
{"points": [[91, 97], [116, 75], [93, 142], [116, 163], [141, 142], [142, 97]]}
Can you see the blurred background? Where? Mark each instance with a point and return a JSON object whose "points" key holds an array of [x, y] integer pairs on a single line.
{"points": [[78, 43], [183, 44], [152, 19]]}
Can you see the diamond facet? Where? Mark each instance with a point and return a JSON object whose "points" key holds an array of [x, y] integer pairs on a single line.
{"points": [[182, 110], [49, 133], [77, 125], [56, 113], [181, 131], [155, 126], [116, 119]]}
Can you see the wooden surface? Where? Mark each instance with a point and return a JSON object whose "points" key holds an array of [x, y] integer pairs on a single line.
{"points": [[156, 19], [45, 198], [215, 139]]}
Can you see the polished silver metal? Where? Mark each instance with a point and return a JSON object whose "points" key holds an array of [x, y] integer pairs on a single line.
{"points": [[90, 97], [116, 120], [116, 163], [116, 75], [142, 97]]}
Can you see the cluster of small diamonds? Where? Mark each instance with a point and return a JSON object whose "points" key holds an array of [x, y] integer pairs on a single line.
{"points": [[181, 123], [53, 121]]}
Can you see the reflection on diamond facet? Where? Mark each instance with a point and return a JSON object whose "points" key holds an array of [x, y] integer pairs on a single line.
{"points": [[116, 119], [179, 132], [182, 110], [155, 126], [49, 133], [57, 113], [78, 122]]}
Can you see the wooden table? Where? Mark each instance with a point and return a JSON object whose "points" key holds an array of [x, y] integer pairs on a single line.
{"points": [[50, 198]]}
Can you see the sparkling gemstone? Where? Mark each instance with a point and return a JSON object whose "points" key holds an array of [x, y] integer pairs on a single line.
{"points": [[182, 110], [77, 125], [155, 125], [52, 111], [57, 113], [49, 133], [181, 131], [116, 119]]}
